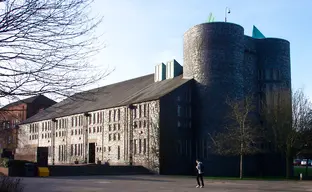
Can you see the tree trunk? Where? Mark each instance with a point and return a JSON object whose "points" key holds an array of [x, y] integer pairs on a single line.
{"points": [[241, 166]]}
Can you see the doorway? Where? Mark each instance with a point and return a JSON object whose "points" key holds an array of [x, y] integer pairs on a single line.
{"points": [[91, 152]]}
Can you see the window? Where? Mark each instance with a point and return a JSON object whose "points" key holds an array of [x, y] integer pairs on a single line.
{"points": [[89, 129], [97, 129], [144, 110], [101, 117], [90, 119], [179, 111], [75, 131], [144, 123], [109, 137], [140, 146], [118, 114], [118, 136], [98, 117], [114, 115], [144, 146], [78, 149], [134, 113], [118, 152], [135, 147], [140, 124], [178, 98], [118, 126], [59, 153], [55, 134], [114, 136], [42, 136], [109, 127], [94, 118], [109, 148], [140, 109], [93, 129], [75, 149], [114, 127], [71, 150], [109, 115]]}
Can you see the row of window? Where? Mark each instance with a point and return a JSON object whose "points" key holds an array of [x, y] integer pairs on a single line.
{"points": [[184, 111], [187, 98], [140, 124], [46, 126], [61, 124], [113, 127], [34, 128], [140, 111], [76, 149], [114, 137], [33, 137], [138, 148], [62, 153]]}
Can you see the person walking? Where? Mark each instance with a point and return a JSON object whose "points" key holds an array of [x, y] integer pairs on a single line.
{"points": [[200, 173]]}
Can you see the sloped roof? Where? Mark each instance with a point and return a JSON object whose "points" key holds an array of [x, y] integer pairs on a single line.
{"points": [[25, 101], [119, 94]]}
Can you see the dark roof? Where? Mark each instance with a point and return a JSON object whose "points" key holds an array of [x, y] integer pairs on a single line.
{"points": [[25, 101], [119, 94]]}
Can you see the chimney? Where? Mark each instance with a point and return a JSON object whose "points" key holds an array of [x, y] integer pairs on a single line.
{"points": [[173, 69], [160, 72]]}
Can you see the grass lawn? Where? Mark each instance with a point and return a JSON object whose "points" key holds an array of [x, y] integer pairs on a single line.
{"points": [[302, 169]]}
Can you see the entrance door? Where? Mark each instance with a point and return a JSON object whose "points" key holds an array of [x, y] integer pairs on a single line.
{"points": [[91, 152]]}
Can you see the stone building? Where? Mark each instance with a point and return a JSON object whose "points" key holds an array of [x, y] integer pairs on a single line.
{"points": [[12, 114], [162, 120]]}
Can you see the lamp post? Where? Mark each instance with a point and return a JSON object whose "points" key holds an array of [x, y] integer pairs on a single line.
{"points": [[227, 11]]}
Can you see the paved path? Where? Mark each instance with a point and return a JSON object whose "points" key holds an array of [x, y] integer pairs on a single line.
{"points": [[155, 183]]}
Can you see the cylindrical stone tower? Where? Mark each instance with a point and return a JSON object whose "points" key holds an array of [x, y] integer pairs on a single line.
{"points": [[213, 56], [274, 64]]}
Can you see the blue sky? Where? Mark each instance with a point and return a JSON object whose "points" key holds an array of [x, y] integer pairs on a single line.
{"points": [[141, 33]]}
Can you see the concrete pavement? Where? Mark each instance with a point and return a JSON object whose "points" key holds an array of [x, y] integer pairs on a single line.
{"points": [[156, 183]]}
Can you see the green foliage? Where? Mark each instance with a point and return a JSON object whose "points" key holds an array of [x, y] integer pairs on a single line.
{"points": [[4, 162], [9, 184]]}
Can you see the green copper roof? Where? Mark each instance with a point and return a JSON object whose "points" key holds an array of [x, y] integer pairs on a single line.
{"points": [[256, 33]]}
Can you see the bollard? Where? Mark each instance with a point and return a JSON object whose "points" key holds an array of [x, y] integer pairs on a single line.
{"points": [[300, 176]]}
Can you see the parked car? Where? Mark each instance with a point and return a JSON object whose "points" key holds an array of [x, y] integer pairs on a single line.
{"points": [[297, 162], [304, 162]]}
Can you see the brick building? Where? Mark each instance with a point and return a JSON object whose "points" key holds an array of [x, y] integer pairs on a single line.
{"points": [[14, 113], [162, 120]]}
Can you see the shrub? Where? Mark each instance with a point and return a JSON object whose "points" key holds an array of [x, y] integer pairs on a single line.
{"points": [[8, 184], [4, 162]]}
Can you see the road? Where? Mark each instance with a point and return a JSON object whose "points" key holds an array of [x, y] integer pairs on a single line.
{"points": [[155, 183]]}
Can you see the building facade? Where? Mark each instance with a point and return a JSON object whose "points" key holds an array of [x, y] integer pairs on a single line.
{"points": [[162, 120], [13, 114]]}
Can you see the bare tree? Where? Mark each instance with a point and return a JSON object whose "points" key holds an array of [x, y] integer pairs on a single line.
{"points": [[153, 155], [287, 120], [46, 47], [241, 135]]}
